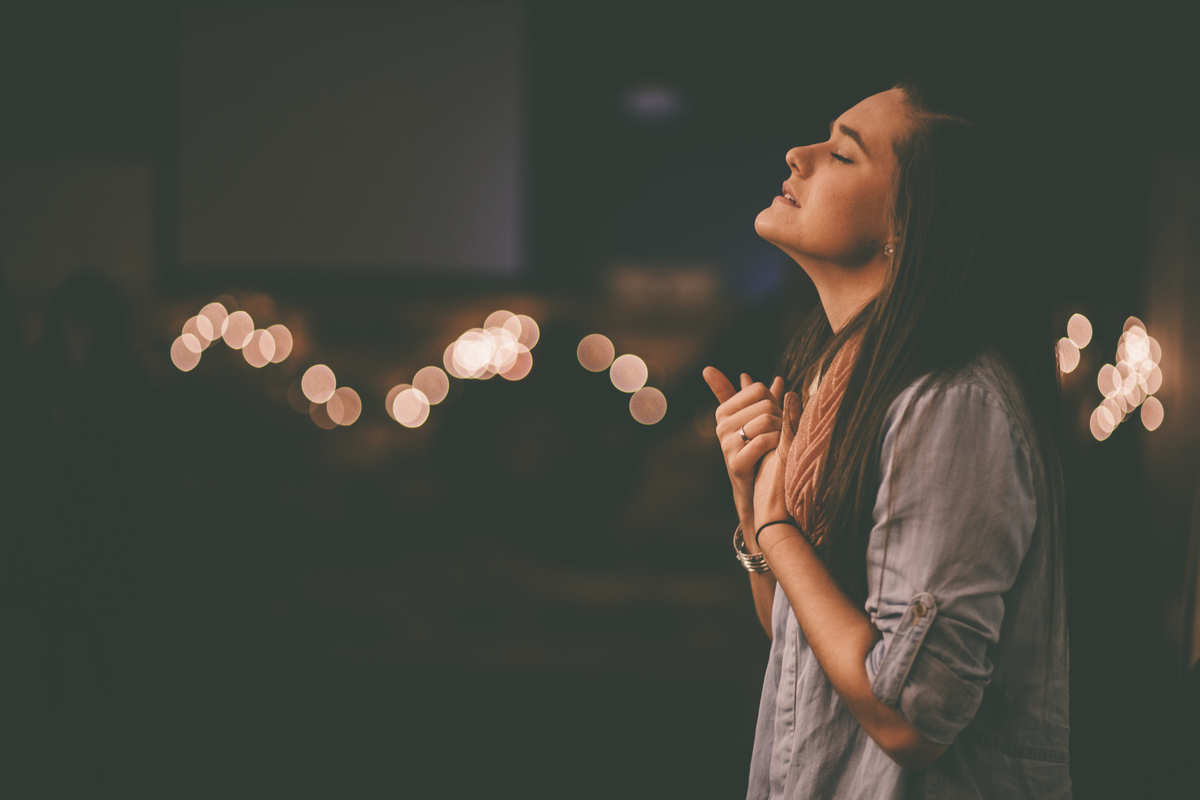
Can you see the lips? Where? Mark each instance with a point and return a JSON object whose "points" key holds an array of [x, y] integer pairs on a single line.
{"points": [[787, 195]]}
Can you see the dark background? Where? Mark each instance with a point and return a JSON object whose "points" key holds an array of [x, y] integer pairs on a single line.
{"points": [[532, 595]]}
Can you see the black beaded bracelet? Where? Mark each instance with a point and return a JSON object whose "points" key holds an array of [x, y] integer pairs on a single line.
{"points": [[758, 532]]}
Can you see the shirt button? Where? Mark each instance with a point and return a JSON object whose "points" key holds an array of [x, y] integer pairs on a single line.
{"points": [[918, 610]]}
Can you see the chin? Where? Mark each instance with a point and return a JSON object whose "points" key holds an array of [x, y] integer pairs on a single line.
{"points": [[769, 229], [762, 224]]}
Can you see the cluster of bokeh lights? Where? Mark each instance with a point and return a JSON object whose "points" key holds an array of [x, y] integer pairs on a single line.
{"points": [[1128, 384], [503, 346], [628, 373], [259, 347], [329, 405]]}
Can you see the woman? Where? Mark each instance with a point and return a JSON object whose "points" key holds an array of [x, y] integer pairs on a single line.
{"points": [[903, 528]]}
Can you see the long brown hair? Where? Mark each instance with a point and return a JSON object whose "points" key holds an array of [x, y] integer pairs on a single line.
{"points": [[953, 291]]}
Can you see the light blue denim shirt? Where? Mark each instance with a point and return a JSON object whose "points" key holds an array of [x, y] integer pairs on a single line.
{"points": [[974, 645]]}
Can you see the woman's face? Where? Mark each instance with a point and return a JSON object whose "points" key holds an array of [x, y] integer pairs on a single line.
{"points": [[833, 209]]}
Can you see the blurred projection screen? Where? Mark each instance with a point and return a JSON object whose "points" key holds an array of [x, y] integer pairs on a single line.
{"points": [[360, 136]]}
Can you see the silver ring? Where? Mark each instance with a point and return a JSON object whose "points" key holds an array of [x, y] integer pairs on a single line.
{"points": [[742, 431]]}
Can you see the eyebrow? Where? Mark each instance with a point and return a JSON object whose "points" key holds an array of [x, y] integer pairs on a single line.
{"points": [[853, 134]]}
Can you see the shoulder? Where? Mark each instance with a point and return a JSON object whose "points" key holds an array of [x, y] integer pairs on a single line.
{"points": [[981, 398]]}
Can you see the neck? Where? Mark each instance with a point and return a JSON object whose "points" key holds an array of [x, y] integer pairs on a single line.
{"points": [[844, 292]]}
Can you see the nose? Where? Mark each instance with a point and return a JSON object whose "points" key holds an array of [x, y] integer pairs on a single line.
{"points": [[800, 160]]}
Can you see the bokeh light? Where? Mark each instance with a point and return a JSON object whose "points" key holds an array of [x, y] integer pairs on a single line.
{"points": [[200, 328], [1097, 425], [217, 318], [1109, 380], [318, 383], [238, 330], [1079, 330], [344, 406], [1154, 380], [1119, 405], [595, 352], [392, 394], [648, 405], [473, 353], [530, 332], [1136, 345], [320, 415], [1133, 322], [501, 319], [1152, 413], [505, 349], [512, 325], [283, 342], [259, 350], [1135, 396], [1155, 350], [520, 366], [411, 408], [182, 356], [1068, 355], [431, 382], [1115, 412], [629, 373], [448, 361], [191, 343]]}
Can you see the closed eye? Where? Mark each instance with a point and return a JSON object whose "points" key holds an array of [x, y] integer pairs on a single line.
{"points": [[842, 159]]}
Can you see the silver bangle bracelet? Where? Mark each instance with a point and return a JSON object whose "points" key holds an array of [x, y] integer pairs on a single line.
{"points": [[753, 562]]}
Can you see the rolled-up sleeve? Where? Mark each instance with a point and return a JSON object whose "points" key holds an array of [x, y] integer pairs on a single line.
{"points": [[953, 520]]}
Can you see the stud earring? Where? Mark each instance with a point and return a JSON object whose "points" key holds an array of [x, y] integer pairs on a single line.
{"points": [[888, 250]]}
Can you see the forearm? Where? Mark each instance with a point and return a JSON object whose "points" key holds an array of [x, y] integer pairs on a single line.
{"points": [[839, 633], [762, 584], [841, 636]]}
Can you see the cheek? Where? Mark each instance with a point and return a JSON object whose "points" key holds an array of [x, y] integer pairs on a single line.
{"points": [[860, 215]]}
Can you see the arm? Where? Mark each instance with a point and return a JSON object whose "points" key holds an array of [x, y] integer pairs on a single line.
{"points": [[953, 520], [839, 632], [757, 409]]}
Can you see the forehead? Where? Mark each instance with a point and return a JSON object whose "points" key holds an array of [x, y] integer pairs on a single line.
{"points": [[880, 118]]}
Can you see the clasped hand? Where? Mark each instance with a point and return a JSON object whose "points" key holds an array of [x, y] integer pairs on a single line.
{"points": [[755, 444]]}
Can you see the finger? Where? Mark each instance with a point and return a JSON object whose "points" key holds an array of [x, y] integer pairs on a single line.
{"points": [[753, 393], [733, 421], [733, 443], [763, 423], [777, 390], [720, 385], [746, 382], [751, 454]]}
